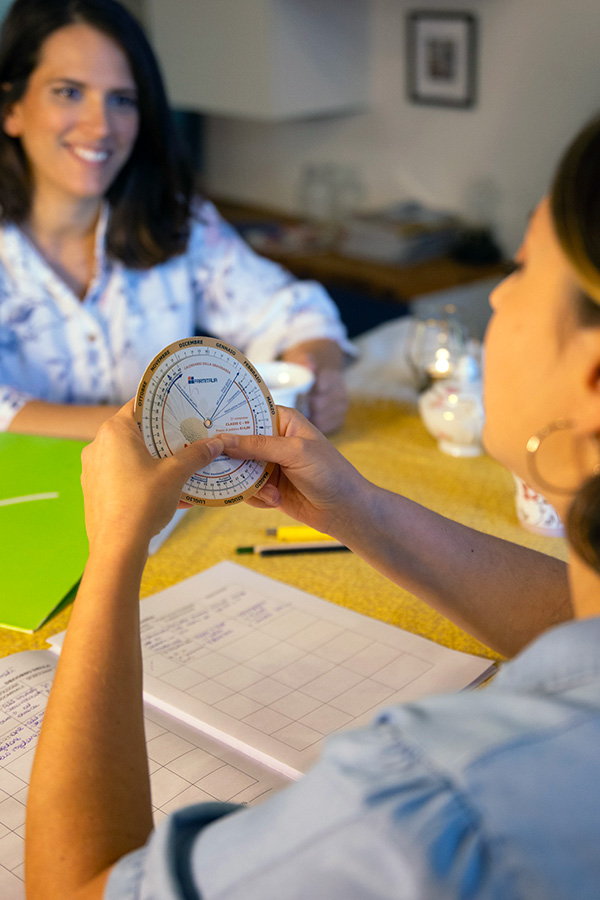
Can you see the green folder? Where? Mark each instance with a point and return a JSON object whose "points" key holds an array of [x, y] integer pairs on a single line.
{"points": [[43, 543]]}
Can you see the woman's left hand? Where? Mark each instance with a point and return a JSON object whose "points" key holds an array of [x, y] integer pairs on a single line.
{"points": [[129, 494], [328, 399]]}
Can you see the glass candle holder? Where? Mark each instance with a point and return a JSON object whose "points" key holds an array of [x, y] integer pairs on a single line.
{"points": [[434, 348]]}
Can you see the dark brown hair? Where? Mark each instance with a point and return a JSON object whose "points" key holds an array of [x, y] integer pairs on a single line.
{"points": [[151, 196], [575, 206]]}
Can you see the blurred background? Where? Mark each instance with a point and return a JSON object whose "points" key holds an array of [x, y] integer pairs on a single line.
{"points": [[281, 99], [538, 80]]}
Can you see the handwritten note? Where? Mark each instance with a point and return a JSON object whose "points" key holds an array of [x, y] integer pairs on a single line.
{"points": [[185, 766]]}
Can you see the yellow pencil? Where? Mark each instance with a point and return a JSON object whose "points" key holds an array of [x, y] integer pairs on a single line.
{"points": [[297, 533]]}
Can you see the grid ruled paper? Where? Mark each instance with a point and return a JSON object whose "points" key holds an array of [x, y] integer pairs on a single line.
{"points": [[273, 670]]}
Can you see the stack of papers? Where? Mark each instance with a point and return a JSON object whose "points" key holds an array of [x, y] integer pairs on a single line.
{"points": [[404, 233]]}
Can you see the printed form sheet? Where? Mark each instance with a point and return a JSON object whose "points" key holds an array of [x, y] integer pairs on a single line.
{"points": [[185, 767], [276, 669]]}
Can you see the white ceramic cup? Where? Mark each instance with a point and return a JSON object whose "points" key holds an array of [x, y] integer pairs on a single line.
{"points": [[534, 512], [288, 383]]}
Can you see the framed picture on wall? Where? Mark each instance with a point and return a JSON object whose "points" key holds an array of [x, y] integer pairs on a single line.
{"points": [[441, 58]]}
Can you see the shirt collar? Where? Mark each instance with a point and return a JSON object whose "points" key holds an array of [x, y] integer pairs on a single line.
{"points": [[100, 238], [565, 655]]}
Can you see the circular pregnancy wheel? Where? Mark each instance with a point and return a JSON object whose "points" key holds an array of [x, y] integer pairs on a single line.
{"points": [[196, 388]]}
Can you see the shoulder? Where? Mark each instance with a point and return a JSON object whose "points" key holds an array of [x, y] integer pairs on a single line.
{"points": [[374, 812], [204, 213], [11, 236], [388, 809], [19, 265], [210, 236], [504, 788]]}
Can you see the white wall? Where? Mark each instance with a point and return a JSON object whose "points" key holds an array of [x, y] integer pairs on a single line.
{"points": [[539, 79]]}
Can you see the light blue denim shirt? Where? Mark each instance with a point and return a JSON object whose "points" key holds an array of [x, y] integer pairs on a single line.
{"points": [[58, 348], [489, 794]]}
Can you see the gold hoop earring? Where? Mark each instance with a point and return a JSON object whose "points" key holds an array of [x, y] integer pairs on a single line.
{"points": [[533, 445]]}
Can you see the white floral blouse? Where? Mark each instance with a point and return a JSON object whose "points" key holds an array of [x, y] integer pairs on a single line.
{"points": [[58, 348]]}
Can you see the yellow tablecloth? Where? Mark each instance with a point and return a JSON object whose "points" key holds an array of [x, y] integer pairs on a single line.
{"points": [[388, 443]]}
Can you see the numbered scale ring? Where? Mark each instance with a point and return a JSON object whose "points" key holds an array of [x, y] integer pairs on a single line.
{"points": [[196, 388]]}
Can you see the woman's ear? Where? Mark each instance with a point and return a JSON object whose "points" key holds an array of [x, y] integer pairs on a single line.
{"points": [[10, 114], [11, 122], [586, 412]]}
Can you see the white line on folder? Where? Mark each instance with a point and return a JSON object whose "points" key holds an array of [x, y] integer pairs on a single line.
{"points": [[28, 498]]}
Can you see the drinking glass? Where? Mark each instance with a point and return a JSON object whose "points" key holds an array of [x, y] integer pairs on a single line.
{"points": [[434, 348]]}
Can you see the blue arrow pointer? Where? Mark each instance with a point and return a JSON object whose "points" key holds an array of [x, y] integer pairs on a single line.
{"points": [[192, 404], [226, 390]]}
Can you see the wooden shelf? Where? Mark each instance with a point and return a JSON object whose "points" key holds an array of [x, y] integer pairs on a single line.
{"points": [[393, 282]]}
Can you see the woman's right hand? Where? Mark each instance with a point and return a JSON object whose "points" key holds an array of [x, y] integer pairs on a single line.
{"points": [[314, 483]]}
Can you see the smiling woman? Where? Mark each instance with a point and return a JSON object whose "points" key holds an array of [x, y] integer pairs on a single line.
{"points": [[107, 252], [41, 60], [77, 123]]}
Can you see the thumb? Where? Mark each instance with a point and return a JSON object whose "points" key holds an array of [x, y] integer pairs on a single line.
{"points": [[196, 456]]}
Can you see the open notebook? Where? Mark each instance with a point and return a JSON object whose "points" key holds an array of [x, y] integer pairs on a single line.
{"points": [[244, 677]]}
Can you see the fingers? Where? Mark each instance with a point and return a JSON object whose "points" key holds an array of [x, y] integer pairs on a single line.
{"points": [[193, 457], [298, 446], [127, 411], [196, 456], [281, 450], [267, 498], [119, 440]]}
